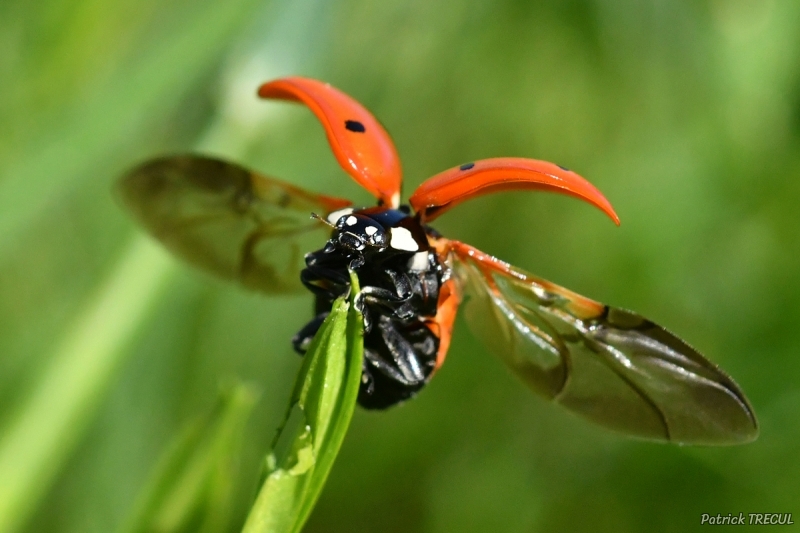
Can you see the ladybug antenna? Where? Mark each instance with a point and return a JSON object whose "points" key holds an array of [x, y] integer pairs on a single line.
{"points": [[323, 220]]}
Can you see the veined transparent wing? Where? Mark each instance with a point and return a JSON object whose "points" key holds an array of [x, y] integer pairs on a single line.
{"points": [[228, 220], [611, 366]]}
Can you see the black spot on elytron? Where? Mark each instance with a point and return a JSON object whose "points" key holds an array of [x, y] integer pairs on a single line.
{"points": [[354, 125], [563, 168], [466, 166]]}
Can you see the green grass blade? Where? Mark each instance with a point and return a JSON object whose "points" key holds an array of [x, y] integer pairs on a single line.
{"points": [[318, 417], [107, 116], [192, 487], [344, 409], [292, 460], [47, 425]]}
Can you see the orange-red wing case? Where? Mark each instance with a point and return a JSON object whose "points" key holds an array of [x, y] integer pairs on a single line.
{"points": [[359, 142]]}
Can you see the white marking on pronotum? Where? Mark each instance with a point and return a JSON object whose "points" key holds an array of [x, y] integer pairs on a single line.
{"points": [[371, 230], [351, 220], [334, 217], [403, 240], [418, 262]]}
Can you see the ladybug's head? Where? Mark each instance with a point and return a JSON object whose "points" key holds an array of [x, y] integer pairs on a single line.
{"points": [[357, 233], [375, 229]]}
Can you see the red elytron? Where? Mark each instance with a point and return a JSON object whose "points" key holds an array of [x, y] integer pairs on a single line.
{"points": [[612, 366]]}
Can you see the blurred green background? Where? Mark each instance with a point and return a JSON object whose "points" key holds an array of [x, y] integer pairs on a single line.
{"points": [[685, 114]]}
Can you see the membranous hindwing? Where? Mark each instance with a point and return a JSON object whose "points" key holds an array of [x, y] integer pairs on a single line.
{"points": [[611, 366], [530, 346], [228, 220]]}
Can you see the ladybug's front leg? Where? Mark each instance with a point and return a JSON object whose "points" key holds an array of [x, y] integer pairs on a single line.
{"points": [[322, 279], [395, 302], [303, 338]]}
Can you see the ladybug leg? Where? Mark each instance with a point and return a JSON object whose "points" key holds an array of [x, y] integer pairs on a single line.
{"points": [[395, 302], [402, 285], [319, 282], [400, 362], [370, 297], [303, 338], [402, 308], [357, 262], [373, 361], [323, 280], [378, 296], [399, 359]]}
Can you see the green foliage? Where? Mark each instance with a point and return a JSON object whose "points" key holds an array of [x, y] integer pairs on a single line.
{"points": [[193, 485], [685, 114], [40, 434], [319, 414]]}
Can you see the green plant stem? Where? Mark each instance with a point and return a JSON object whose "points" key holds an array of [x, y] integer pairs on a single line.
{"points": [[317, 419]]}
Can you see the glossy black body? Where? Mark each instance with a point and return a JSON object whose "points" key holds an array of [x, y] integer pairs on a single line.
{"points": [[400, 289]]}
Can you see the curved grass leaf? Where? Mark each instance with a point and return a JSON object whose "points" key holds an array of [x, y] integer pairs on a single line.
{"points": [[319, 414], [98, 116], [45, 428], [193, 486]]}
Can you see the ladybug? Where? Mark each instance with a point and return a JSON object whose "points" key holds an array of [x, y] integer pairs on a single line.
{"points": [[609, 365]]}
